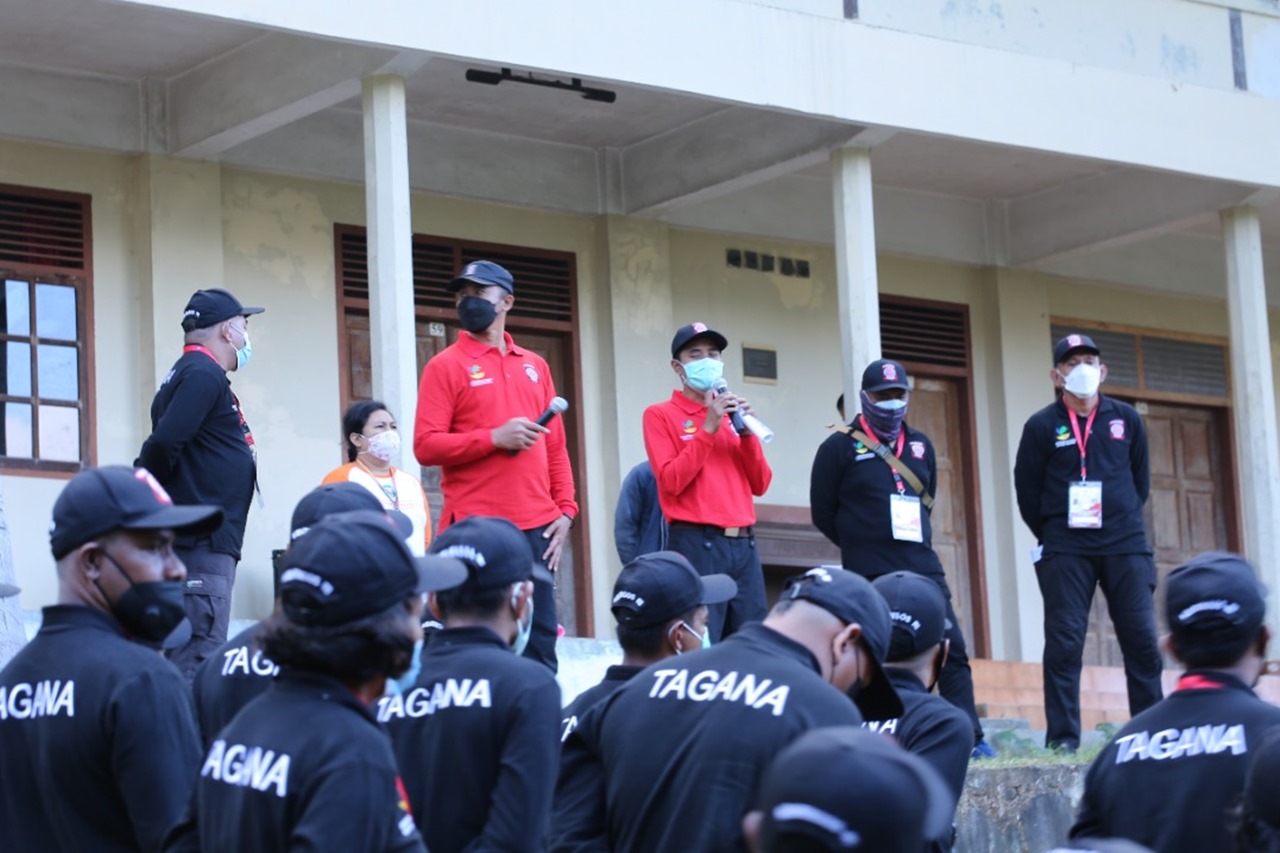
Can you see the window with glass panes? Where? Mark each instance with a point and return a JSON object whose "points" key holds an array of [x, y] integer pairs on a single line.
{"points": [[44, 336]]}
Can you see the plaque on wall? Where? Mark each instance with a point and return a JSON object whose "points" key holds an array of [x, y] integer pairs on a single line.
{"points": [[760, 364]]}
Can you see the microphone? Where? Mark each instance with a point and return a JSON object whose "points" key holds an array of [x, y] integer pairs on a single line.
{"points": [[735, 418], [558, 406]]}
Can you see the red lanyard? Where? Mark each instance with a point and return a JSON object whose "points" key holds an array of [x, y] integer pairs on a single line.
{"points": [[244, 425], [1081, 442], [1197, 682], [902, 436]]}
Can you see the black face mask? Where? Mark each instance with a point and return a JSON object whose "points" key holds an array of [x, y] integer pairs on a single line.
{"points": [[149, 611], [476, 314]]}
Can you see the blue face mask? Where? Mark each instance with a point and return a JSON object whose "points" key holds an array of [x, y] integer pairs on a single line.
{"points": [[244, 353], [885, 416], [704, 638], [525, 629], [404, 683], [701, 374]]}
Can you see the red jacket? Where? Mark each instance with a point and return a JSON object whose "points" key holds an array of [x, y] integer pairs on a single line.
{"points": [[467, 390], [703, 478]]}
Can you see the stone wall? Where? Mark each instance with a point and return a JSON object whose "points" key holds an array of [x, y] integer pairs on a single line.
{"points": [[1017, 809]]}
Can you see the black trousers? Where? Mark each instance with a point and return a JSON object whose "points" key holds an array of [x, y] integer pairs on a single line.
{"points": [[713, 553], [1067, 582], [210, 576], [955, 682], [542, 641]]}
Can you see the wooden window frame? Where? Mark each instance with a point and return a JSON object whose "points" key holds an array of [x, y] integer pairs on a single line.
{"points": [[82, 281]]}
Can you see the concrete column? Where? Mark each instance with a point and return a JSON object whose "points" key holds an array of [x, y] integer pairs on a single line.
{"points": [[392, 333], [857, 285], [1253, 394]]}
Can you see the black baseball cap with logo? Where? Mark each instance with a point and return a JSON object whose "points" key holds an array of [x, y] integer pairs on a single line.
{"points": [[884, 374], [209, 307], [351, 565], [918, 611], [655, 588], [332, 498], [485, 273], [852, 599], [99, 500], [1072, 344], [495, 552], [846, 788], [1215, 602], [687, 334]]}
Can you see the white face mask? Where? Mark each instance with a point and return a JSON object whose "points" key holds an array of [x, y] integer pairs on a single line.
{"points": [[1083, 380], [385, 445]]}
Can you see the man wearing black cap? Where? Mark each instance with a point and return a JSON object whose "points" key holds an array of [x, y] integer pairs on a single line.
{"points": [[305, 765], [672, 759], [476, 737], [477, 406], [929, 727], [871, 492], [239, 671], [201, 450], [1081, 477], [660, 603], [99, 743], [1169, 777], [842, 788], [707, 473]]}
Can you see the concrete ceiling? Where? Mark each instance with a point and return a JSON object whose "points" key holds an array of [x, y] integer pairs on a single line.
{"points": [[129, 78]]}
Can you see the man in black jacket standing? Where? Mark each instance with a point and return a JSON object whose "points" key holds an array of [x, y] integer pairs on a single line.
{"points": [[201, 450], [871, 492], [1169, 777], [1082, 477]]}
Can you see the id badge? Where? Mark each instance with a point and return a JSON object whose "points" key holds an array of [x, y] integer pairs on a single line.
{"points": [[1084, 504], [904, 511]]}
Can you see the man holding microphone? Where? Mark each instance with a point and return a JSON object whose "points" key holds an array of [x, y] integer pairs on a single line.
{"points": [[477, 405], [707, 473]]}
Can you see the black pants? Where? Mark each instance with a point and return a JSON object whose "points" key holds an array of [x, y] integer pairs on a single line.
{"points": [[713, 553], [542, 641], [210, 576], [955, 682], [1067, 582]]}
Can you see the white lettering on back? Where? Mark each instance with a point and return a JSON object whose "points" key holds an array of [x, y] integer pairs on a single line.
{"points": [[247, 766], [424, 701], [1181, 743], [709, 685], [23, 701]]}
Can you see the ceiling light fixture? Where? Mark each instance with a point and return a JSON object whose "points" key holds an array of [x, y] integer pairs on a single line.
{"points": [[493, 78]]}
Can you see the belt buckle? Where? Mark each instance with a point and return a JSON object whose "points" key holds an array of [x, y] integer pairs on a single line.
{"points": [[733, 532]]}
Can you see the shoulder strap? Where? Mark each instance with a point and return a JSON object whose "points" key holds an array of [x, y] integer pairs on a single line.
{"points": [[898, 465]]}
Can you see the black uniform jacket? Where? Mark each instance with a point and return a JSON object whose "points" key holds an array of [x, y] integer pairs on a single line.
{"points": [[305, 766], [1048, 462], [97, 739], [849, 491], [477, 740], [197, 447], [671, 760], [1169, 776], [614, 677], [228, 679], [932, 728]]}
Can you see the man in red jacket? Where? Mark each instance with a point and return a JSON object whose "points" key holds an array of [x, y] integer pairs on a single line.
{"points": [[706, 474], [476, 408]]}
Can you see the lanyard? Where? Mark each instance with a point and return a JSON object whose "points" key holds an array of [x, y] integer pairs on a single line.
{"points": [[244, 425], [1081, 442], [902, 437], [1197, 682], [197, 348]]}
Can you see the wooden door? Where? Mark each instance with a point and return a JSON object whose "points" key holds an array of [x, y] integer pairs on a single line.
{"points": [[1190, 510], [935, 411]]}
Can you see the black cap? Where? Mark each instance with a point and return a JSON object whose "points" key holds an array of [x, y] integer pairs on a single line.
{"points": [[655, 588], [350, 565], [884, 374], [685, 334], [114, 497], [918, 611], [486, 273], [1215, 602], [845, 788], [1262, 779], [851, 598], [1073, 343], [208, 307], [495, 552], [333, 498]]}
